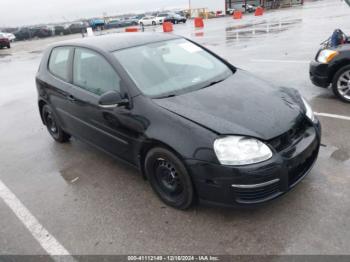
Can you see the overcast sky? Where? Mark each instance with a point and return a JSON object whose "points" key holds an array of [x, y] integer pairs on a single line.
{"points": [[21, 12]]}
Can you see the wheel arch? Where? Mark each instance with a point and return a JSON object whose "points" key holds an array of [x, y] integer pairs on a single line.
{"points": [[41, 105], [337, 67], [153, 143]]}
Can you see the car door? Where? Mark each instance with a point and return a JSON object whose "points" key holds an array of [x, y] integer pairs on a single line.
{"points": [[55, 86], [93, 76], [150, 20], [145, 21]]}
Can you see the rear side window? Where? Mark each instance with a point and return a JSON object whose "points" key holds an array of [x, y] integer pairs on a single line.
{"points": [[93, 73], [59, 62]]}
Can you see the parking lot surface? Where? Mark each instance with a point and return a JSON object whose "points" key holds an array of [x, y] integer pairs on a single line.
{"points": [[89, 203]]}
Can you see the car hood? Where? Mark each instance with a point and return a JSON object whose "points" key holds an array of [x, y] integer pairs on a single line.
{"points": [[240, 105]]}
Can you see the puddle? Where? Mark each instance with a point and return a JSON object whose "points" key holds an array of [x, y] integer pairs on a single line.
{"points": [[336, 16], [238, 27], [254, 32], [340, 155], [5, 58], [36, 52], [4, 55], [234, 33], [70, 175]]}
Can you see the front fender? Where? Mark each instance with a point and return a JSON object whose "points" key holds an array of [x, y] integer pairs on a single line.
{"points": [[185, 137]]}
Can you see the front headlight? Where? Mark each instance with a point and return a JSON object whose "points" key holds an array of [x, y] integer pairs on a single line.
{"points": [[325, 56], [309, 112], [240, 150]]}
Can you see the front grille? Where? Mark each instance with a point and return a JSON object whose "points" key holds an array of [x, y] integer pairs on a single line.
{"points": [[287, 139], [298, 171], [246, 195]]}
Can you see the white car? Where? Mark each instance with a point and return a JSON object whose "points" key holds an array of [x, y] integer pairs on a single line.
{"points": [[9, 36], [151, 20], [250, 8], [230, 11], [161, 17]]}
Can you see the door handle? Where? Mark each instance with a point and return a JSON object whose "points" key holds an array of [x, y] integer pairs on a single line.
{"points": [[71, 98]]}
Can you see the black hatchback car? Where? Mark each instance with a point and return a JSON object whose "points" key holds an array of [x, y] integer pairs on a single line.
{"points": [[331, 67], [195, 126], [175, 18]]}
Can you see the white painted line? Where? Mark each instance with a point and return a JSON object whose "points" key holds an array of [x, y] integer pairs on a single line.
{"points": [[45, 239], [333, 116], [280, 61]]}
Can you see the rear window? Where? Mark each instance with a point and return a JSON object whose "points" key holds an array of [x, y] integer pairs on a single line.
{"points": [[59, 60]]}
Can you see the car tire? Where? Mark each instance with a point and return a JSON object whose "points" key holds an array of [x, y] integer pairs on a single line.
{"points": [[52, 125], [341, 84], [169, 178], [9, 46], [141, 24], [176, 22], [154, 23]]}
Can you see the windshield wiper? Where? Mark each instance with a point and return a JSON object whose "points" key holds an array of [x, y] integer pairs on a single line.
{"points": [[210, 84], [214, 83], [166, 96]]}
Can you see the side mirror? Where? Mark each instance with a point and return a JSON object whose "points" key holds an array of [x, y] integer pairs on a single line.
{"points": [[112, 99]]}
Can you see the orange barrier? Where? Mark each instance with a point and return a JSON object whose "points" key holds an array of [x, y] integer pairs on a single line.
{"points": [[131, 29], [259, 11], [198, 22], [237, 15], [167, 27]]}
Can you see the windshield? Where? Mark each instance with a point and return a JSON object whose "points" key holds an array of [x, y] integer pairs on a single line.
{"points": [[171, 67]]}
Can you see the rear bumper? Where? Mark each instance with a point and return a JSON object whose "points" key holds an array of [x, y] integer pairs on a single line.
{"points": [[258, 183], [4, 43], [319, 74]]}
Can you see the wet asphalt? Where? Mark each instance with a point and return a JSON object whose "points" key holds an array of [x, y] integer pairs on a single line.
{"points": [[94, 204]]}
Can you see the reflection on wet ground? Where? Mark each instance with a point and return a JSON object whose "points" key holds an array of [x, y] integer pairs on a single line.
{"points": [[36, 52], [340, 155], [5, 58], [199, 34], [252, 30]]}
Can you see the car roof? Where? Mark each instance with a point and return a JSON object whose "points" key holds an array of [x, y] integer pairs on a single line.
{"points": [[114, 42]]}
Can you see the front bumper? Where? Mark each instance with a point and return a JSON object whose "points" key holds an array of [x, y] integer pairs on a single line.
{"points": [[319, 74], [257, 183]]}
